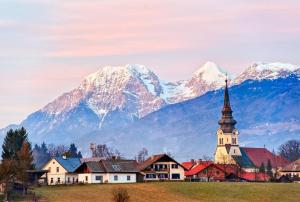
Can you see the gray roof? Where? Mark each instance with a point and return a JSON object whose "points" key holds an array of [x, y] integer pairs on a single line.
{"points": [[95, 167], [109, 166], [118, 165], [83, 160]]}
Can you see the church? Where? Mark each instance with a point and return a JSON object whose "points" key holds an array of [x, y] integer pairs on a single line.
{"points": [[228, 150]]}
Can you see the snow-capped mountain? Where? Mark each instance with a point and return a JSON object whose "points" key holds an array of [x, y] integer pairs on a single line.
{"points": [[114, 98], [134, 89], [131, 88], [260, 70]]}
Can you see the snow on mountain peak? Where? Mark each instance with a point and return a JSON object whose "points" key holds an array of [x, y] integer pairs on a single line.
{"points": [[115, 72], [274, 67], [210, 72], [261, 70]]}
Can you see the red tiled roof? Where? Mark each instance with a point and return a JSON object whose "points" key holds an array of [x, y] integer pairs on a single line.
{"points": [[188, 165], [262, 155], [251, 176], [198, 168]]}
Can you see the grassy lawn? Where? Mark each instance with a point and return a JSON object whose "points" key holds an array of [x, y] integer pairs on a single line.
{"points": [[175, 191]]}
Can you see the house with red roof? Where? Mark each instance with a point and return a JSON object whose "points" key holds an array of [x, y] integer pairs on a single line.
{"points": [[204, 171], [209, 171]]}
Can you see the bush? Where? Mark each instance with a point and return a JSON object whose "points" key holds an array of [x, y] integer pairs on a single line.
{"points": [[120, 195]]}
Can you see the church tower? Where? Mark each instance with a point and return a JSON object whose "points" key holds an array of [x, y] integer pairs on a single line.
{"points": [[227, 134]]}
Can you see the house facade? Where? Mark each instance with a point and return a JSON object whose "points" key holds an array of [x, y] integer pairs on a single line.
{"points": [[61, 170], [108, 171], [161, 167], [291, 171]]}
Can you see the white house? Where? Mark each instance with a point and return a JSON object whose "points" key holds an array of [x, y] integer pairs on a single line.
{"points": [[108, 171], [61, 170], [161, 167]]}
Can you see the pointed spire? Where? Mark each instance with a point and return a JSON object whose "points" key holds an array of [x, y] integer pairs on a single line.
{"points": [[226, 106], [227, 122]]}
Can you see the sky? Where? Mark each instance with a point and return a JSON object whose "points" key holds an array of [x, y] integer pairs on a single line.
{"points": [[47, 47]]}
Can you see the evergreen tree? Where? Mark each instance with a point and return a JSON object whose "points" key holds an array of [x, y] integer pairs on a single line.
{"points": [[262, 168], [73, 152], [269, 168], [41, 155], [24, 163], [13, 143]]}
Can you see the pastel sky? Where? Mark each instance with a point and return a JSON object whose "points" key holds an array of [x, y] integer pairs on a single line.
{"points": [[48, 46]]}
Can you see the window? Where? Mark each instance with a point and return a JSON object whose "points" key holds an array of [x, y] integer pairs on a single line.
{"points": [[57, 169], [86, 178], [116, 167], [217, 172], [234, 151], [73, 180], [99, 178], [150, 176], [116, 178], [51, 181], [174, 166], [175, 176], [128, 177], [53, 162], [68, 179], [58, 180], [163, 176]]}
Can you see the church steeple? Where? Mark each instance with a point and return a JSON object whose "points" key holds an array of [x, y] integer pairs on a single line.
{"points": [[227, 122]]}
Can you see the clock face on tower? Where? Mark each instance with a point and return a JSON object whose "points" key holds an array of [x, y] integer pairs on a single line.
{"points": [[235, 132], [219, 132]]}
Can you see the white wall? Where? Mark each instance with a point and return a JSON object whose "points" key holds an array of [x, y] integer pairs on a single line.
{"points": [[179, 170], [52, 166], [92, 178], [122, 178]]}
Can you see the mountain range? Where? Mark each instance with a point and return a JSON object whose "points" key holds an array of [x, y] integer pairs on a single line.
{"points": [[130, 107]]}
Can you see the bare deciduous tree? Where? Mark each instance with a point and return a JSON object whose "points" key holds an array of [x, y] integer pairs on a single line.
{"points": [[290, 150], [103, 151], [142, 155]]}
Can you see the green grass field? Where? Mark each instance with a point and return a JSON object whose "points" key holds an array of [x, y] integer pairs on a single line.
{"points": [[175, 191]]}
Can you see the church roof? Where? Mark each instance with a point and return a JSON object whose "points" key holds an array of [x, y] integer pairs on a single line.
{"points": [[262, 155], [244, 161]]}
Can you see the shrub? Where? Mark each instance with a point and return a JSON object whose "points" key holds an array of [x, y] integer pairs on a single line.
{"points": [[120, 195]]}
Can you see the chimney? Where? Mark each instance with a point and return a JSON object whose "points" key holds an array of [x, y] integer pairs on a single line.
{"points": [[192, 161], [199, 161]]}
